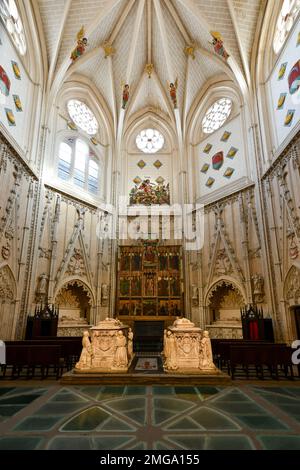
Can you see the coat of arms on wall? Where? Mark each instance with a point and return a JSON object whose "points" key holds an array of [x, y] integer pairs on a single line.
{"points": [[148, 193]]}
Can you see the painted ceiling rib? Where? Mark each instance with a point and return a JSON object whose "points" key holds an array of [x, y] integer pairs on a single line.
{"points": [[59, 40], [121, 21], [238, 39], [178, 22]]}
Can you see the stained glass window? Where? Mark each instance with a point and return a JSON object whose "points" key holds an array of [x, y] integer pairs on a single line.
{"points": [[83, 117], [10, 15], [216, 115], [150, 141], [286, 19]]}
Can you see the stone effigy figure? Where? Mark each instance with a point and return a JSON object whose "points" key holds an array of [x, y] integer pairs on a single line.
{"points": [[206, 356], [85, 361], [130, 344], [120, 358], [170, 351]]}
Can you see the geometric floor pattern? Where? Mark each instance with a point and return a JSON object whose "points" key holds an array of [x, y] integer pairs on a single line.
{"points": [[149, 417]]}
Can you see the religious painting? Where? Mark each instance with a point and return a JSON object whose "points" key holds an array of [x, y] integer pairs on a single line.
{"points": [[149, 307], [150, 256], [4, 82], [16, 70], [281, 100], [174, 262], [136, 308], [149, 285], [124, 286], [205, 168], [125, 262], [175, 308], [136, 261], [18, 103], [163, 308], [136, 286], [174, 286], [163, 286], [10, 117], [207, 148], [124, 308], [289, 117], [282, 71], [163, 261], [147, 193], [218, 160], [225, 136], [294, 78]]}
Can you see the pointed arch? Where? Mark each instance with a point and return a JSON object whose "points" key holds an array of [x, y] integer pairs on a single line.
{"points": [[8, 296]]}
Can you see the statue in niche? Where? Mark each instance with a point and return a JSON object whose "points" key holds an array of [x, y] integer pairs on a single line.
{"points": [[76, 264], [170, 351], [149, 286], [85, 361], [258, 288], [120, 357], [41, 292], [223, 265], [206, 356], [130, 344], [293, 247], [81, 45], [125, 96], [195, 295], [219, 45], [173, 92]]}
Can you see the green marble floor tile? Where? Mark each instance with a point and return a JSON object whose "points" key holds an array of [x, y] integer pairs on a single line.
{"points": [[93, 391], [161, 390], [244, 408], [59, 409], [111, 392], [187, 442], [87, 420], [163, 445], [10, 410], [65, 397], [19, 443], [160, 415], [207, 391], [139, 416], [19, 399], [280, 399], [37, 423], [295, 391], [135, 390], [277, 390], [138, 446], [186, 391], [172, 404], [266, 423], [232, 396], [70, 443], [4, 390], [112, 442], [212, 420], [280, 442], [183, 424], [116, 424], [228, 443]]}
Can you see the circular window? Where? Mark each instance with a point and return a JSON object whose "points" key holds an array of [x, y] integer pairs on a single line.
{"points": [[216, 116], [10, 15], [83, 117], [287, 16], [150, 141]]}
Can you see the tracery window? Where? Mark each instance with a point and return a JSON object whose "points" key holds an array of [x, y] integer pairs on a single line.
{"points": [[83, 117], [78, 164], [150, 141], [286, 19], [11, 18], [216, 115]]}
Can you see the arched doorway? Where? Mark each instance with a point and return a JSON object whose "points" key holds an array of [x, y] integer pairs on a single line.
{"points": [[224, 302], [7, 303], [292, 300]]}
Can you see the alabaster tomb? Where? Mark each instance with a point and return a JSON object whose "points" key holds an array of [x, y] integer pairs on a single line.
{"points": [[107, 347]]}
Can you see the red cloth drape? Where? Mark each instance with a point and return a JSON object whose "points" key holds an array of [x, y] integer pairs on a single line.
{"points": [[253, 330]]}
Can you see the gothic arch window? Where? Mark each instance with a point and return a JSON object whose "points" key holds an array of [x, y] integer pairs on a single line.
{"points": [[286, 19], [78, 164], [11, 18], [216, 116], [150, 141], [83, 116]]}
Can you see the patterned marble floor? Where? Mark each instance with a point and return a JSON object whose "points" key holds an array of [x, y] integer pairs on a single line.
{"points": [[150, 417]]}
